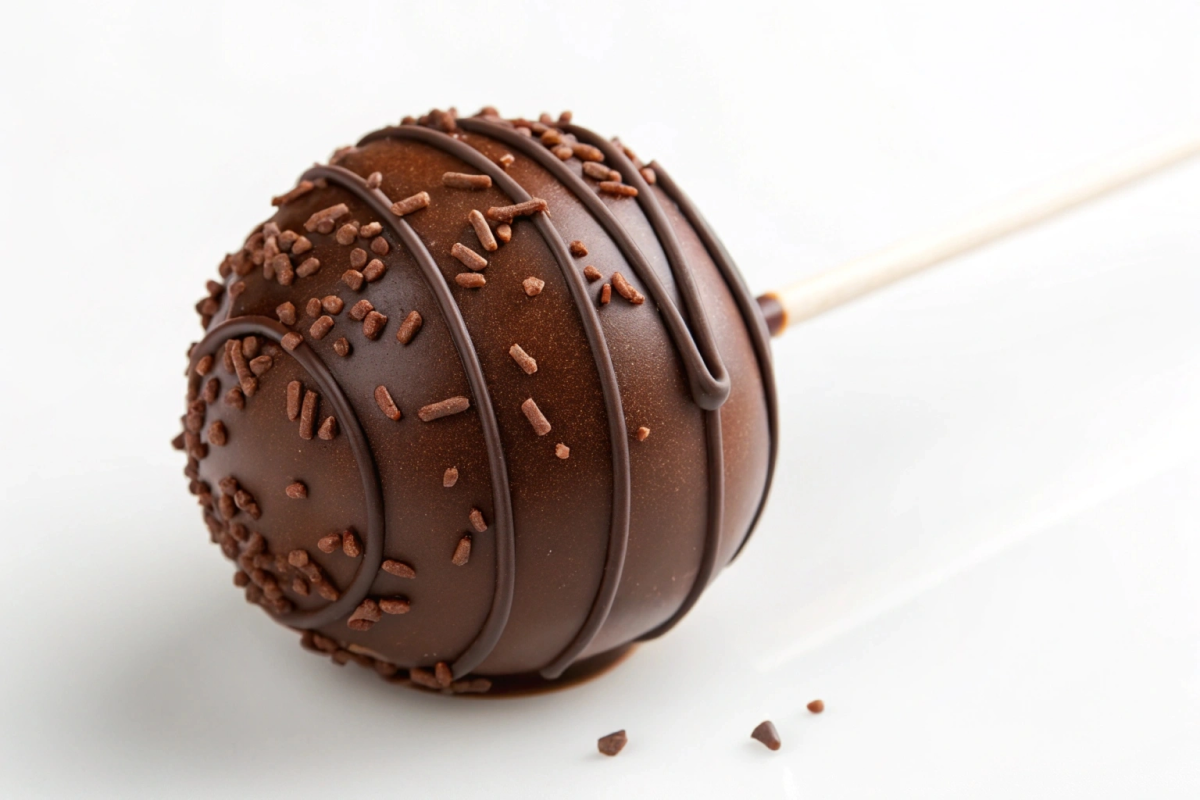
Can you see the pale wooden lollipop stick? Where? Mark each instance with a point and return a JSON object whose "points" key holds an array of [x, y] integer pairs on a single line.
{"points": [[827, 290]]}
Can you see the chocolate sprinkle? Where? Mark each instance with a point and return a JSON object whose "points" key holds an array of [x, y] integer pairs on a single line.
{"points": [[302, 188], [217, 434], [358, 258], [477, 520], [398, 568], [235, 397], [650, 176], [470, 280], [562, 451], [299, 247], [374, 270], [541, 426], [605, 294], [297, 491], [322, 326], [347, 234], [766, 733], [483, 231], [816, 706], [342, 347], [450, 477], [366, 615], [600, 172], [585, 152], [393, 605], [328, 430], [618, 189], [578, 249], [509, 213], [523, 359], [461, 180], [370, 230], [204, 366], [313, 307], [330, 543], [374, 180], [643, 433], [468, 257], [332, 304], [627, 291], [326, 215], [504, 233], [462, 551], [310, 266], [286, 313], [308, 414], [383, 398], [374, 324], [351, 545], [380, 246], [613, 743], [591, 273], [410, 204], [409, 327], [506, 160], [260, 365], [443, 408], [353, 278], [533, 286], [293, 400], [291, 341], [359, 311]]}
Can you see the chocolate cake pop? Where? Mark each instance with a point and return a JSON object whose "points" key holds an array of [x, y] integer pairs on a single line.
{"points": [[483, 398]]}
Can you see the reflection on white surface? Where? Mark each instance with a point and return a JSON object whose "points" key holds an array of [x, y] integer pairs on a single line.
{"points": [[983, 547]]}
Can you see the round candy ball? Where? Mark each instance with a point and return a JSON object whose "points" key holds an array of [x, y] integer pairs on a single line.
{"points": [[483, 398]]}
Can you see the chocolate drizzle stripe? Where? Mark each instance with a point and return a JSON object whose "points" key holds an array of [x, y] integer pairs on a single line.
{"points": [[648, 201], [707, 389], [359, 447], [502, 598], [618, 541], [751, 316]]}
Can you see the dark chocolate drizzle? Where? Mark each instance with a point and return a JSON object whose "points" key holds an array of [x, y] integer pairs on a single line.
{"points": [[614, 561], [502, 598], [707, 344], [372, 558], [752, 316], [710, 386]]}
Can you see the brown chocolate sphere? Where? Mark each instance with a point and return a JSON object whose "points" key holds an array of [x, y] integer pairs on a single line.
{"points": [[484, 397]]}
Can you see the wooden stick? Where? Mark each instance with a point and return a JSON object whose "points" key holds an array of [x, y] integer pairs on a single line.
{"points": [[827, 290]]}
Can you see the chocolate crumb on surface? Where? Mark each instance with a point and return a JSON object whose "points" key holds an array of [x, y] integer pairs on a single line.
{"points": [[326, 216], [332, 304], [618, 189], [308, 414], [816, 706], [443, 408], [578, 249], [591, 273], [328, 430], [410, 204], [462, 551], [330, 543], [312, 308], [398, 568], [506, 160], [541, 425], [296, 491], [586, 152], [302, 245], [525, 361], [291, 341], [468, 257], [204, 366], [470, 280], [477, 520], [766, 733], [605, 294], [370, 230], [373, 324], [236, 398], [380, 246], [613, 743], [294, 390], [346, 234], [342, 347], [383, 398], [562, 451], [286, 312], [409, 327], [626, 290], [450, 477], [358, 258], [374, 270], [533, 286], [462, 180], [322, 326], [483, 231], [393, 605], [351, 545], [353, 278], [217, 434], [309, 267], [260, 365], [642, 433], [598, 171], [359, 311], [510, 213], [504, 233]]}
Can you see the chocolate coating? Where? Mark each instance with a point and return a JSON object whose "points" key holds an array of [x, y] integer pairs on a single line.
{"points": [[612, 479]]}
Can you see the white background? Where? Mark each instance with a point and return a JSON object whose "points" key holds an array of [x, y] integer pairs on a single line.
{"points": [[983, 548]]}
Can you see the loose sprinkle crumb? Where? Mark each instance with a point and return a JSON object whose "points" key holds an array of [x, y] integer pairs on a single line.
{"points": [[766, 733], [504, 233], [326, 216], [374, 324], [562, 451], [613, 743], [462, 552], [328, 430], [302, 188], [509, 213], [482, 231], [353, 278], [342, 347], [450, 477], [626, 290], [618, 189], [410, 204], [470, 280], [578, 249], [541, 426], [643, 433], [399, 569], [444, 408], [291, 341], [591, 273], [477, 520], [816, 706], [461, 180], [286, 312], [322, 326], [383, 398], [309, 267], [308, 414], [468, 257], [533, 286], [605, 294], [297, 491], [409, 327], [359, 311], [523, 359]]}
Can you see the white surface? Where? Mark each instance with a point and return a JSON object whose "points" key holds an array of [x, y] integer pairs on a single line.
{"points": [[983, 549]]}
